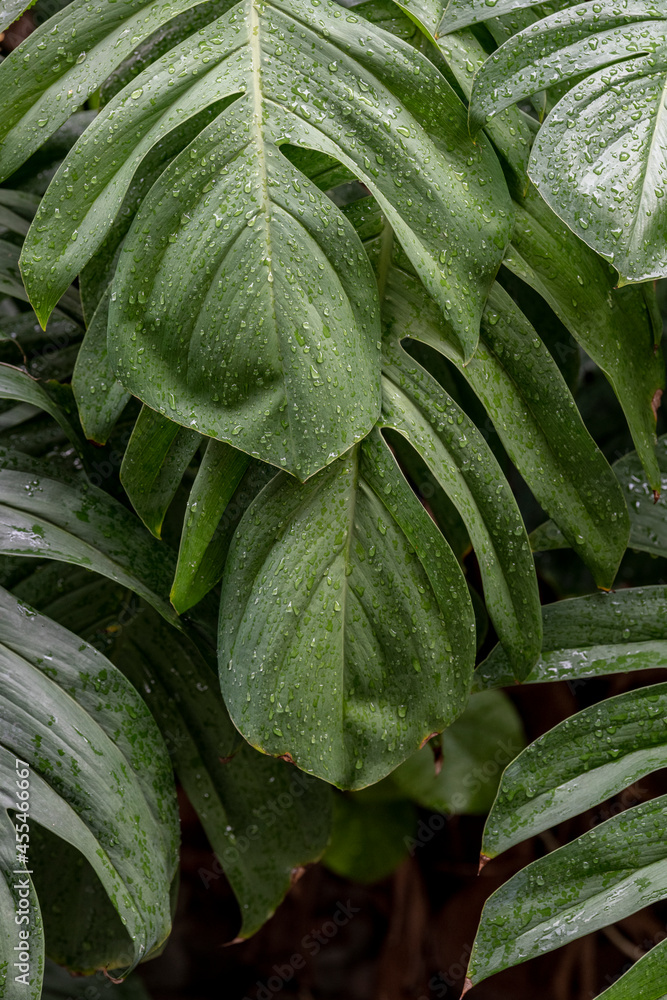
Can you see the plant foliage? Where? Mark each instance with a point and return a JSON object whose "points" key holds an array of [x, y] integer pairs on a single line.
{"points": [[313, 288]]}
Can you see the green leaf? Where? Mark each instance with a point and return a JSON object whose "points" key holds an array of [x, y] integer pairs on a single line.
{"points": [[591, 636], [536, 419], [157, 455], [607, 874], [530, 405], [646, 506], [463, 13], [346, 614], [263, 818], [11, 881], [579, 764], [60, 985], [617, 328], [646, 979], [96, 779], [71, 521], [17, 384], [605, 129], [457, 454], [430, 113], [369, 839], [475, 750], [12, 10], [288, 394], [648, 514], [281, 222], [99, 397], [426, 13], [40, 92], [203, 547]]}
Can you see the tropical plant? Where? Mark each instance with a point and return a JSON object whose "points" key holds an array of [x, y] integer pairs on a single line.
{"points": [[305, 344]]}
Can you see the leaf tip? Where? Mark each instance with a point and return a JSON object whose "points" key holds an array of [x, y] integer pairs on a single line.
{"points": [[656, 496], [236, 940], [296, 874], [655, 402], [483, 862], [468, 985]]}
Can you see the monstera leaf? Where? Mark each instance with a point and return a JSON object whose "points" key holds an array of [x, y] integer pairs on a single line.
{"points": [[528, 402], [347, 636], [599, 158], [620, 329], [293, 378], [100, 780]]}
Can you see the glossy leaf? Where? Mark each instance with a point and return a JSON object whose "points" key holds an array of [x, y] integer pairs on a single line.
{"points": [[69, 520], [607, 874], [459, 186], [536, 419], [12, 10], [646, 506], [426, 13], [606, 129], [619, 329], [157, 455], [647, 978], [204, 546], [263, 818], [579, 764], [427, 100], [463, 13], [17, 384], [326, 652], [41, 92], [527, 399], [98, 778], [100, 399], [591, 636], [459, 457], [11, 881]]}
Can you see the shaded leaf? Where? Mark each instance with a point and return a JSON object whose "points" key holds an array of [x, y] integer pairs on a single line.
{"points": [[99, 397], [369, 839], [475, 750], [69, 520], [157, 455], [203, 547]]}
